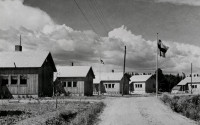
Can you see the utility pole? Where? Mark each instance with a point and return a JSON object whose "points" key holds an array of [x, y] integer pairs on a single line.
{"points": [[157, 67], [124, 70], [191, 78]]}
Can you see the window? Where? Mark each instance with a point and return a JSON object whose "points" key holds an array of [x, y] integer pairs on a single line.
{"points": [[13, 80], [69, 84], [63, 84], [106, 85], [109, 85], [74, 84], [113, 85], [194, 86], [4, 80], [23, 79], [138, 85]]}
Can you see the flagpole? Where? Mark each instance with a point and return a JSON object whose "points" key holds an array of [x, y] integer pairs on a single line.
{"points": [[157, 67], [100, 77]]}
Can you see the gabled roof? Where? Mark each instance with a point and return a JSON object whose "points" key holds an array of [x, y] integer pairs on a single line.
{"points": [[176, 88], [188, 80], [108, 76], [140, 78], [24, 59], [73, 71]]}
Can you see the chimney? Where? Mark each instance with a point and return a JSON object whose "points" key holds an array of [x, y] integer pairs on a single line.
{"points": [[113, 70], [18, 47]]}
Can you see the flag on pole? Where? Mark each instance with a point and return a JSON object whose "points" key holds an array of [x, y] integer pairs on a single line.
{"points": [[162, 48], [101, 61]]}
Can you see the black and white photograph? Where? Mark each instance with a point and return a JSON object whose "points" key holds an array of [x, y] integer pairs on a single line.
{"points": [[99, 62]]}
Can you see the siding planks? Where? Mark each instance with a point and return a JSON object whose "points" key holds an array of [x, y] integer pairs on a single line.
{"points": [[30, 89]]}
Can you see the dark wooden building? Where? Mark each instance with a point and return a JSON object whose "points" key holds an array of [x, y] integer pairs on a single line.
{"points": [[76, 80], [26, 73]]}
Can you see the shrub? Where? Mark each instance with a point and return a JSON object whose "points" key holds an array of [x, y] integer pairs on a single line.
{"points": [[67, 115], [165, 98], [188, 106], [182, 104], [195, 100]]}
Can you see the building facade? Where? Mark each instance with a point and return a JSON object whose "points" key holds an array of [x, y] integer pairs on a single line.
{"points": [[142, 84], [188, 85], [24, 74], [112, 83], [76, 80]]}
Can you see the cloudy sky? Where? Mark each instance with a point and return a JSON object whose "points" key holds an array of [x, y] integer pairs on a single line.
{"points": [[82, 31]]}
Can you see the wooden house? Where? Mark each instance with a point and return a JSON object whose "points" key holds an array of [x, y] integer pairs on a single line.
{"points": [[26, 73], [186, 85], [76, 80], [141, 84], [111, 83]]}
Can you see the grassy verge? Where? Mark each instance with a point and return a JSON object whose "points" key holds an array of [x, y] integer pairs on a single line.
{"points": [[90, 116], [85, 116], [188, 106], [32, 110]]}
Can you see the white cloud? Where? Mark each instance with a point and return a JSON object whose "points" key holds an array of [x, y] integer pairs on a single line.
{"points": [[86, 47], [14, 14], [47, 29], [180, 2]]}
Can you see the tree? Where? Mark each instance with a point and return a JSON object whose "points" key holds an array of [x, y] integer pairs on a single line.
{"points": [[167, 82], [162, 82]]}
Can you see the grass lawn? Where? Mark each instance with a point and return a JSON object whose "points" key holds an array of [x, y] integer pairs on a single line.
{"points": [[12, 113]]}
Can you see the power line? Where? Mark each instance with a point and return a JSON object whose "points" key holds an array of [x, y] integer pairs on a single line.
{"points": [[84, 16], [97, 15], [101, 14]]}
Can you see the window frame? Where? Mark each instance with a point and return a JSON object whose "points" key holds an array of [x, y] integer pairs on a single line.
{"points": [[113, 86], [64, 84], [109, 86], [74, 84], [5, 77], [69, 84], [106, 86], [15, 78], [24, 78]]}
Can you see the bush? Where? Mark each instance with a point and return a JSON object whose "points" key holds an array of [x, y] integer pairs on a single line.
{"points": [[165, 98], [188, 106]]}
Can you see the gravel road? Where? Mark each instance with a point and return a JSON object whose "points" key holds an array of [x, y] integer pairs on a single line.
{"points": [[140, 111]]}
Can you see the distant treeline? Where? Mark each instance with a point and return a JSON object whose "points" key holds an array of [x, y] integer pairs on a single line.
{"points": [[167, 81]]}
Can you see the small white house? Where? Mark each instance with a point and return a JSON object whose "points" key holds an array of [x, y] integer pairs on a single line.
{"points": [[142, 84], [187, 84], [111, 83]]}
